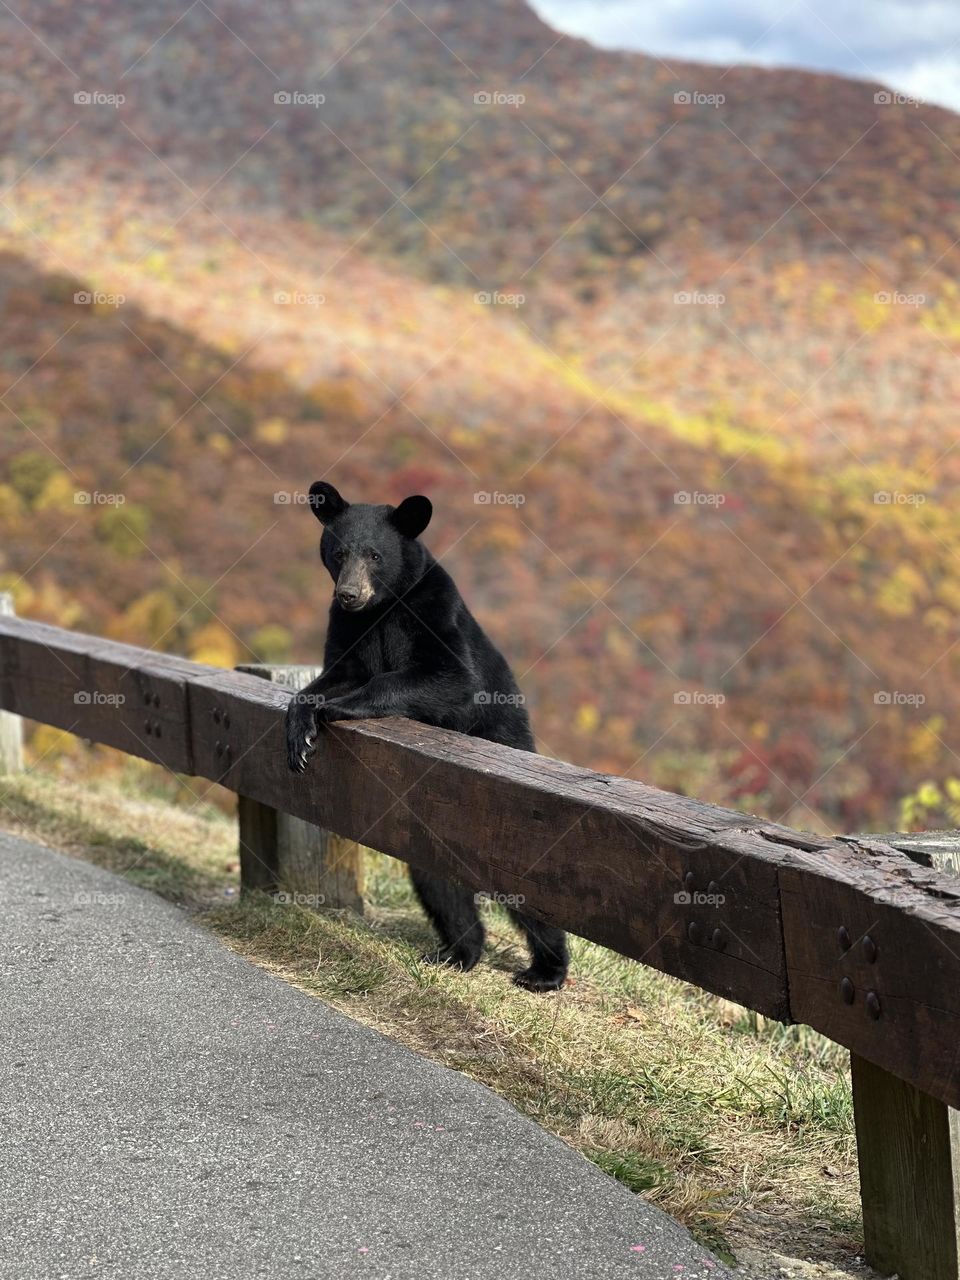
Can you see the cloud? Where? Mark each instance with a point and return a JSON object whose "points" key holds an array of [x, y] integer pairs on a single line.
{"points": [[910, 46]]}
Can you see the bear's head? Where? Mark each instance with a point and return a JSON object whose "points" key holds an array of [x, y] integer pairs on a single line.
{"points": [[368, 549]]}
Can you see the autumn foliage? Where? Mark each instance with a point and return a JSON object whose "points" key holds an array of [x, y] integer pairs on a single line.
{"points": [[680, 378]]}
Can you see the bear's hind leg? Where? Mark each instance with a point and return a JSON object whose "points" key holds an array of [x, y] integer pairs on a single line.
{"points": [[453, 910], [548, 953]]}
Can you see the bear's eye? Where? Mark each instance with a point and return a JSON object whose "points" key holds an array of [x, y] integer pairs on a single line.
{"points": [[339, 555], [374, 557]]}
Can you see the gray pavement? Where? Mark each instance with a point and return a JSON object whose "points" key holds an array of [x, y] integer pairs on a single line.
{"points": [[168, 1110]]}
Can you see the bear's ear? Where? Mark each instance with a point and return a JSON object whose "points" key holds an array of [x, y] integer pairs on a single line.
{"points": [[412, 516], [325, 502]]}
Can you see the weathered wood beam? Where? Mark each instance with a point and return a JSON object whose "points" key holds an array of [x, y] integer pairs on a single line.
{"points": [[129, 698]]}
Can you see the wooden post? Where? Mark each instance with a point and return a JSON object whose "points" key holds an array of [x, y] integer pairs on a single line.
{"points": [[279, 852], [908, 1147], [11, 726], [908, 1144]]}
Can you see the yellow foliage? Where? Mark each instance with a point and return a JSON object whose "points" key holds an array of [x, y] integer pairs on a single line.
{"points": [[617, 643], [57, 494], [49, 744], [51, 603], [273, 431], [942, 319], [503, 536], [214, 645], [156, 264], [337, 399], [788, 277], [11, 506], [272, 643], [938, 619], [148, 620], [871, 313], [898, 595], [220, 443], [923, 743], [588, 717]]}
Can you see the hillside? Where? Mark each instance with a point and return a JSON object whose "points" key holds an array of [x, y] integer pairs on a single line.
{"points": [[696, 332], [477, 193]]}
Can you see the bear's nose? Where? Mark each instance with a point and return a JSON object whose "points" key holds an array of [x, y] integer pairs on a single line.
{"points": [[348, 595]]}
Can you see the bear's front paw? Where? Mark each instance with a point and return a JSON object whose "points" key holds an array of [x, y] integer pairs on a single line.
{"points": [[302, 732]]}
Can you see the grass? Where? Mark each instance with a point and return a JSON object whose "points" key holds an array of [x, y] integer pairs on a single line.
{"points": [[734, 1124]]}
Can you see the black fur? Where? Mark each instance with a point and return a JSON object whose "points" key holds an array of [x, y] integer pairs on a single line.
{"points": [[401, 642]]}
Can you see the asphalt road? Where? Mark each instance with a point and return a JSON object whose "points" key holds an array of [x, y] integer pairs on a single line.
{"points": [[168, 1110]]}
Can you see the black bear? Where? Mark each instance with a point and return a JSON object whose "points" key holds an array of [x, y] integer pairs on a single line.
{"points": [[401, 642]]}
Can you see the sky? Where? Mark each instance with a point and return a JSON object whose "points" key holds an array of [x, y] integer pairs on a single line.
{"points": [[912, 46]]}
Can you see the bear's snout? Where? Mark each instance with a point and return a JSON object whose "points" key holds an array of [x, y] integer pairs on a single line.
{"points": [[354, 587]]}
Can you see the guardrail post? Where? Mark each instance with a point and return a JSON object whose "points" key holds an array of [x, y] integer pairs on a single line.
{"points": [[908, 1148], [11, 726], [908, 1144], [281, 852]]}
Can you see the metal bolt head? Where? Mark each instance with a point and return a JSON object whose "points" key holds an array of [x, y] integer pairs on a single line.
{"points": [[156, 699], [226, 720], [216, 715], [873, 1005], [689, 880], [694, 932], [843, 937], [147, 727], [719, 939], [713, 887], [869, 949], [218, 749], [146, 696], [848, 992]]}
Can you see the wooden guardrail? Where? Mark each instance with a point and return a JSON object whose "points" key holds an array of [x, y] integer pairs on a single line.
{"points": [[848, 935]]}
